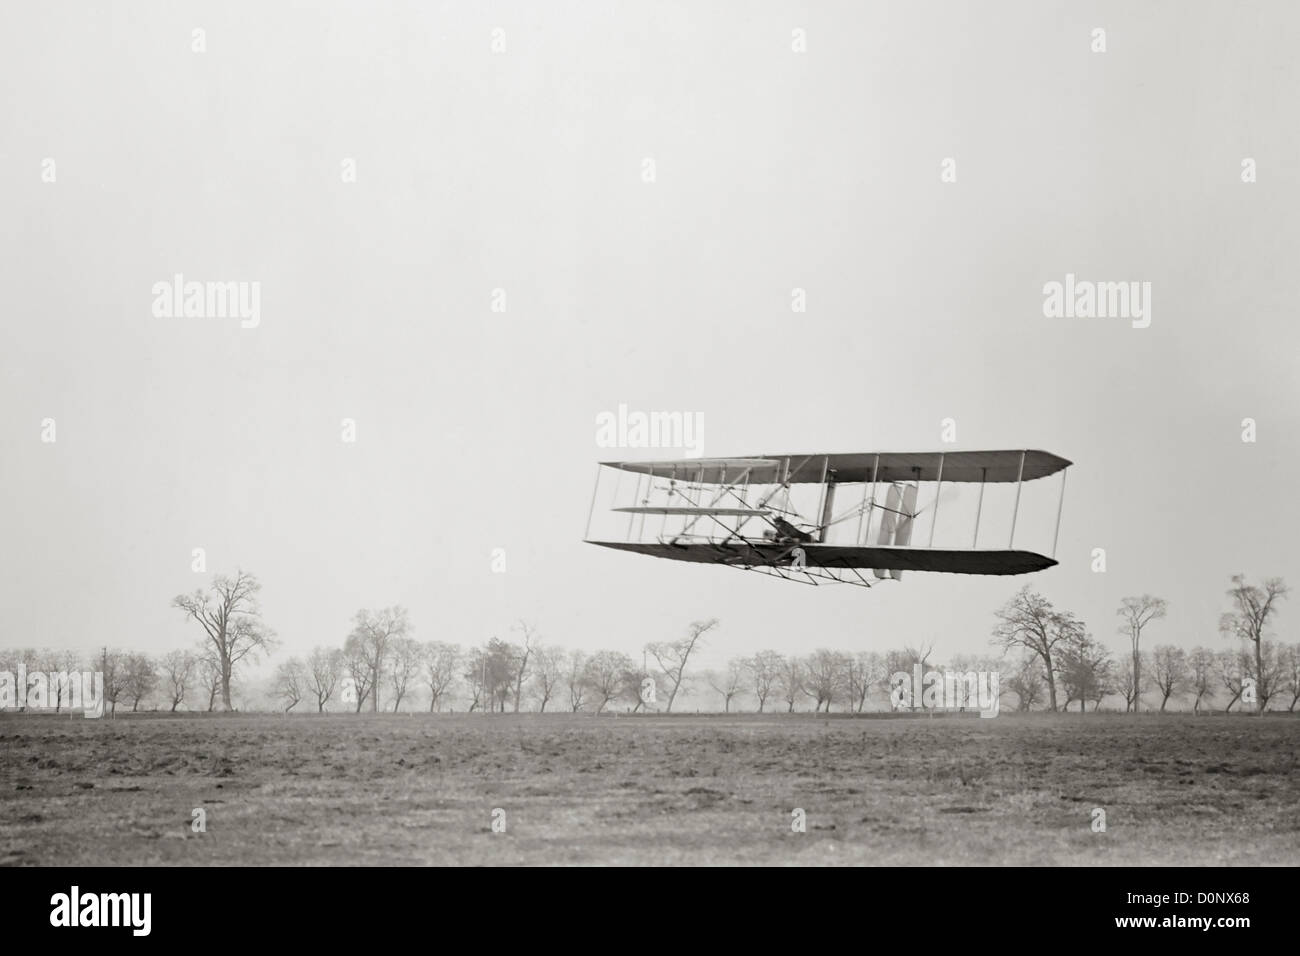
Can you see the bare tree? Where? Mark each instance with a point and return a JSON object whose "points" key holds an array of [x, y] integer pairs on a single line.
{"points": [[1027, 683], [1270, 679], [548, 673], [323, 671], [1084, 668], [728, 682], [45, 663], [405, 658], [826, 676], [920, 654], [1001, 666], [1107, 683], [633, 685], [64, 667], [503, 668], [604, 674], [178, 671], [441, 661], [491, 674], [209, 674], [231, 619], [960, 665], [865, 670], [765, 669], [967, 691], [25, 658], [1169, 671], [1248, 620], [791, 682], [113, 665], [139, 679], [1130, 685], [1200, 666], [37, 692], [906, 661], [1232, 667], [576, 667], [368, 644], [290, 682], [357, 668], [1136, 613], [895, 662], [673, 656], [523, 654], [1030, 622], [1291, 668], [475, 663]]}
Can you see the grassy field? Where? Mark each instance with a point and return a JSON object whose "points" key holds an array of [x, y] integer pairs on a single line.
{"points": [[421, 789]]}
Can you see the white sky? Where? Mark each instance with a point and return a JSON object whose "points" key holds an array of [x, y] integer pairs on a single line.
{"points": [[522, 171]]}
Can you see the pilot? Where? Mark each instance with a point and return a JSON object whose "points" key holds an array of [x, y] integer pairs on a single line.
{"points": [[789, 532]]}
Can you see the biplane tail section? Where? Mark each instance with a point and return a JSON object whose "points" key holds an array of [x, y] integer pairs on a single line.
{"points": [[903, 536], [889, 517], [897, 518], [888, 526]]}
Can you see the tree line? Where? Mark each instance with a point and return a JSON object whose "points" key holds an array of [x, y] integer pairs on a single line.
{"points": [[1047, 659], [1061, 658]]}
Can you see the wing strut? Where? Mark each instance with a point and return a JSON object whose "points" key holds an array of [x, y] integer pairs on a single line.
{"points": [[938, 489], [1016, 510], [1060, 505]]}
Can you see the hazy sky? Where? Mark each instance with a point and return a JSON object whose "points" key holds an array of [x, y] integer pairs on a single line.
{"points": [[523, 170]]}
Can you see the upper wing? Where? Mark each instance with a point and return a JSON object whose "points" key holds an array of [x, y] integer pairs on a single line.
{"points": [[973, 466]]}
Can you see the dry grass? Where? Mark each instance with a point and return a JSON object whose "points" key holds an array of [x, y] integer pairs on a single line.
{"points": [[649, 790]]}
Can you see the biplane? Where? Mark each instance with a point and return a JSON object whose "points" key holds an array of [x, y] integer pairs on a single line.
{"points": [[776, 514]]}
